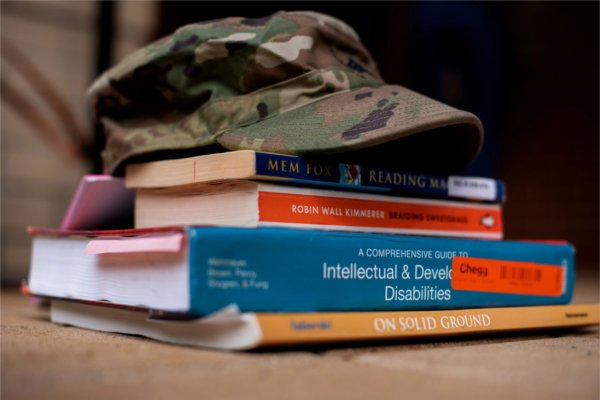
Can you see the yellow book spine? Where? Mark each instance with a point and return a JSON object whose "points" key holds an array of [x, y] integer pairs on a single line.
{"points": [[279, 329]]}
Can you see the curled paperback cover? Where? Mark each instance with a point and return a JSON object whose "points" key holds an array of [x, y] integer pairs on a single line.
{"points": [[229, 329]]}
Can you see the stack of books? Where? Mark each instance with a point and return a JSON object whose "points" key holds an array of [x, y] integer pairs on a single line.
{"points": [[238, 249], [243, 249]]}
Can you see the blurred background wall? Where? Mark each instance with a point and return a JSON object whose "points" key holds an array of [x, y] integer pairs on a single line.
{"points": [[62, 41], [529, 70]]}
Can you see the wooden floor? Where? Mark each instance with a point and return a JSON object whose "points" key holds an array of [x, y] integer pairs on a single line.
{"points": [[44, 361]]}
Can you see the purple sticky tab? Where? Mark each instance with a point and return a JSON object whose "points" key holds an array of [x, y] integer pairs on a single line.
{"points": [[100, 202]]}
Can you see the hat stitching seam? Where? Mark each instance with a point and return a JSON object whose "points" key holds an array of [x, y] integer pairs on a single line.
{"points": [[286, 82]]}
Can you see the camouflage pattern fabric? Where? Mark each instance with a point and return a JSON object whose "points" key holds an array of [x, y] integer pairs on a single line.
{"points": [[294, 82]]}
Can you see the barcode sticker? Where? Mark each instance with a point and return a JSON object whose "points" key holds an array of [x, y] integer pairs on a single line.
{"points": [[514, 277], [469, 187]]}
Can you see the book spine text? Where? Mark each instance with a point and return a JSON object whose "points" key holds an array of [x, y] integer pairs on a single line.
{"points": [[355, 176], [392, 214]]}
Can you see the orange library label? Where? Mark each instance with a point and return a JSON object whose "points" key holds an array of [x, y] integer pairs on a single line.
{"points": [[514, 277], [341, 211]]}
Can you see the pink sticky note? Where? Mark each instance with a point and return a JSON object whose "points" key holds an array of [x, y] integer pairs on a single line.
{"points": [[170, 243]]}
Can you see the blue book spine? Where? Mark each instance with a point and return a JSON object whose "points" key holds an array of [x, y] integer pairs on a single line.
{"points": [[361, 177], [286, 270]]}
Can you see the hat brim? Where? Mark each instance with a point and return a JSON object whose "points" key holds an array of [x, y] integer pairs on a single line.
{"points": [[388, 125]]}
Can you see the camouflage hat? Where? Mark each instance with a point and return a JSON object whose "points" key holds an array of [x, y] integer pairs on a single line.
{"points": [[294, 82]]}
